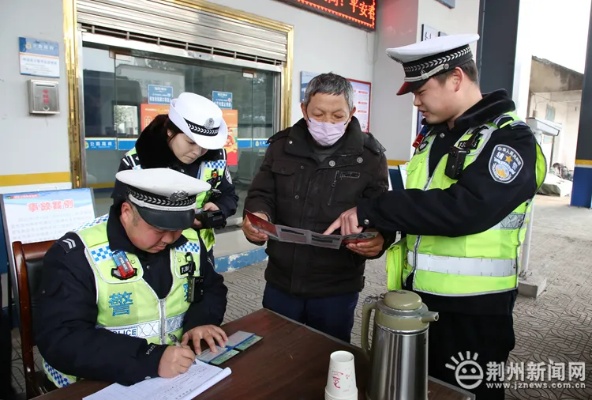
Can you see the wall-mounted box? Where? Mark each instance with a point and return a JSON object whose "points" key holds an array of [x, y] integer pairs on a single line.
{"points": [[43, 97]]}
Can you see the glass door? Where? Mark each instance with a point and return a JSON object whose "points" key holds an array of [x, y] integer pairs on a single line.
{"points": [[125, 89]]}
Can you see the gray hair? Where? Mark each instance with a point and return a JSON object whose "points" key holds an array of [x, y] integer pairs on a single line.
{"points": [[330, 84]]}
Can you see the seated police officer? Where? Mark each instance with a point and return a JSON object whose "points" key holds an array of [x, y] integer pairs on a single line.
{"points": [[120, 291]]}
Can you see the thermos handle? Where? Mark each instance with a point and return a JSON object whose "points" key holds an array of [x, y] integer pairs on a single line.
{"points": [[369, 305]]}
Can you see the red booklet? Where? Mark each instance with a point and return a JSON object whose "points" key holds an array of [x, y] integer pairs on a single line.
{"points": [[262, 225]]}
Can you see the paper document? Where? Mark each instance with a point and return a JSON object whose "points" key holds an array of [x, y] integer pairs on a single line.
{"points": [[302, 236], [196, 380]]}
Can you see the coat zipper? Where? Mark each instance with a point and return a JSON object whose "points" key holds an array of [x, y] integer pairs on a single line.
{"points": [[161, 304], [333, 188]]}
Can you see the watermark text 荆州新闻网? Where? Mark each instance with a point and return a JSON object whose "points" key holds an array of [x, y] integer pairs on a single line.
{"points": [[469, 373]]}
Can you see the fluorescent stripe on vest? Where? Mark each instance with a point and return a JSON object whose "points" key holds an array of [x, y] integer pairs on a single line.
{"points": [[482, 263], [131, 307], [132, 160]]}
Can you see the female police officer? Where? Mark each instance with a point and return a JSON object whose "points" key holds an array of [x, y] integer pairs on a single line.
{"points": [[190, 139]]}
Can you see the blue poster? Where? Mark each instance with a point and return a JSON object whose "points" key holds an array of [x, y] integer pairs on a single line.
{"points": [[100, 143], [247, 143], [222, 99], [158, 94], [125, 144]]}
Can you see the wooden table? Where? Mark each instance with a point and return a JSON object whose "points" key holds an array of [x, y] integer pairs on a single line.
{"points": [[290, 362]]}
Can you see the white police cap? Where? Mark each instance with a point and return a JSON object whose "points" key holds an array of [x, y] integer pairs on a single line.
{"points": [[428, 58], [165, 198], [200, 119]]}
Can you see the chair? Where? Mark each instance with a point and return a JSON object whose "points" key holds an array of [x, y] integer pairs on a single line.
{"points": [[28, 261]]}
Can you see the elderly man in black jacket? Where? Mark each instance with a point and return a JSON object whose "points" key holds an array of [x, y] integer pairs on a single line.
{"points": [[312, 172]]}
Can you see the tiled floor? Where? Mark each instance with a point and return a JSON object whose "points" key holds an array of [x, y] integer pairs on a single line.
{"points": [[556, 327]]}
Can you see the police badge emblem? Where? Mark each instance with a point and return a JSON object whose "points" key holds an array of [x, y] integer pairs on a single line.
{"points": [[179, 196], [504, 164], [209, 124]]}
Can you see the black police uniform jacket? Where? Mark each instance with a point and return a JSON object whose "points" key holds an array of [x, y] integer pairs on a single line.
{"points": [[153, 151], [66, 316], [296, 189], [475, 203]]}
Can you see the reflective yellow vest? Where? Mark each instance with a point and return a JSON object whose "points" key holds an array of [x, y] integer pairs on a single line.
{"points": [[130, 306], [486, 262]]}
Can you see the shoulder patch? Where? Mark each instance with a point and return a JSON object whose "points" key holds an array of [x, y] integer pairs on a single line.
{"points": [[68, 244], [504, 164]]}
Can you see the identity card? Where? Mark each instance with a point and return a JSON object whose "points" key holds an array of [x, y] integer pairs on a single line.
{"points": [[248, 343], [224, 357], [208, 355]]}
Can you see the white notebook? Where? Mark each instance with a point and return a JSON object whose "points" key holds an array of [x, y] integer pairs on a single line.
{"points": [[196, 380]]}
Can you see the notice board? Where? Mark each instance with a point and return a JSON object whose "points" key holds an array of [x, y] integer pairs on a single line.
{"points": [[45, 215]]}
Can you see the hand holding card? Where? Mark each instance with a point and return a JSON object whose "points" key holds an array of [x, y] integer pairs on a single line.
{"points": [[259, 225], [367, 244], [359, 237]]}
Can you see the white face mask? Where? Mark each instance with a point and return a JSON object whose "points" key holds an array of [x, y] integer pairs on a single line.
{"points": [[325, 133]]}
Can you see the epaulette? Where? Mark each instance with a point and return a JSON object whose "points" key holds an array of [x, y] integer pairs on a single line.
{"points": [[69, 242], [502, 120], [372, 144], [507, 120], [519, 124]]}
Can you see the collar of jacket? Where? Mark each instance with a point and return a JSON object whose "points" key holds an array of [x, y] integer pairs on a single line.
{"points": [[487, 109], [118, 239], [299, 144], [153, 150]]}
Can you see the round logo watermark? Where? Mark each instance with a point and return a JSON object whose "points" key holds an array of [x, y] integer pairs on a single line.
{"points": [[467, 372]]}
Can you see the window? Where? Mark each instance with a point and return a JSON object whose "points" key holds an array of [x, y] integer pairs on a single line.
{"points": [[550, 113], [125, 89]]}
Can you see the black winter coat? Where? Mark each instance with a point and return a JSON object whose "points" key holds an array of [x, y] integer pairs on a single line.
{"points": [[296, 189]]}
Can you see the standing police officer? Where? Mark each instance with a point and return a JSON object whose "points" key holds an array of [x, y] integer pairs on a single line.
{"points": [[189, 139], [469, 187], [118, 292]]}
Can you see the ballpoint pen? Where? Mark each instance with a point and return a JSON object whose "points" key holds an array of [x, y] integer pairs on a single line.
{"points": [[178, 344], [174, 340]]}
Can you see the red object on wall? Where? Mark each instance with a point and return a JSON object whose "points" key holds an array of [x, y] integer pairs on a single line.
{"points": [[359, 13]]}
